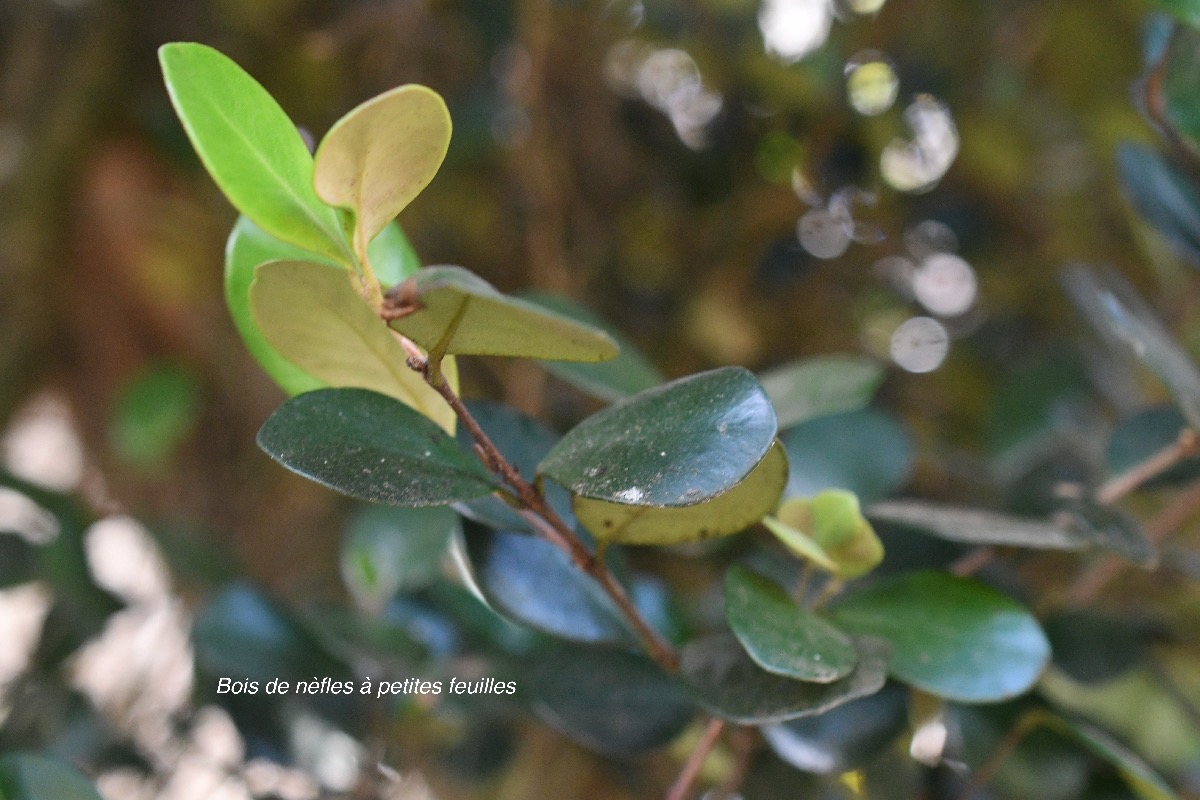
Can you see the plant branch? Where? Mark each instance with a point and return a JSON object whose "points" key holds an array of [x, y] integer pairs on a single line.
{"points": [[1185, 446], [691, 770], [546, 521]]}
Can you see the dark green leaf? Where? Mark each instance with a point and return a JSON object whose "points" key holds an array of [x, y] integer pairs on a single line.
{"points": [[781, 636], [250, 147], [976, 526], [729, 512], [1164, 195], [240, 634], [614, 380], [451, 310], [673, 445], [1114, 309], [389, 550], [610, 701], [952, 637], [154, 413], [1146, 433], [1109, 528], [372, 447], [524, 442], [842, 738], [866, 452], [814, 387], [29, 776], [727, 682], [18, 560], [1091, 647], [534, 582]]}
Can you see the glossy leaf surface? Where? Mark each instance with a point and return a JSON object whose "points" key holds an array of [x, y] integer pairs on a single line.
{"points": [[729, 512], [31, 776], [250, 147], [952, 637], [866, 452], [814, 387], [388, 550], [380, 155], [534, 582], [613, 380], [727, 682], [781, 636], [313, 316], [452, 310], [370, 446], [674, 445], [609, 701]]}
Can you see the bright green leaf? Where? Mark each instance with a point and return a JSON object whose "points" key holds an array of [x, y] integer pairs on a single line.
{"points": [[370, 446], [250, 147], [378, 157], [614, 380], [674, 445], [814, 387], [388, 550], [727, 682], [834, 522], [534, 582], [451, 310], [781, 636], [392, 256], [30, 776], [313, 316], [729, 512], [610, 701], [800, 543], [952, 637]]}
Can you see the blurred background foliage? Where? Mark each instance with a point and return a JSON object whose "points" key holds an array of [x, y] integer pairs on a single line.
{"points": [[717, 185]]}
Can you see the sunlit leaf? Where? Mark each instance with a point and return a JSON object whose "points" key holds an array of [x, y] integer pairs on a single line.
{"points": [[674, 445], [609, 701], [842, 738], [30, 776], [867, 452], [388, 550], [834, 523], [534, 582], [372, 447], [781, 636], [613, 380], [451, 310], [729, 512], [727, 682], [380, 155], [314, 318], [250, 147], [814, 387], [952, 637]]}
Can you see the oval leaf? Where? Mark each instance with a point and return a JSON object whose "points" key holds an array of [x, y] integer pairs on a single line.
{"points": [[612, 381], [367, 445], [313, 317], [380, 156], [781, 636], [952, 637], [729, 512], [814, 387], [451, 310], [976, 526], [250, 147], [610, 701], [674, 445], [389, 550], [867, 452], [29, 776], [728, 683], [534, 582]]}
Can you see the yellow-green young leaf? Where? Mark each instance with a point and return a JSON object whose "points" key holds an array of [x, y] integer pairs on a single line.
{"points": [[800, 544], [452, 310], [378, 157], [250, 148], [314, 317], [729, 512], [835, 523]]}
